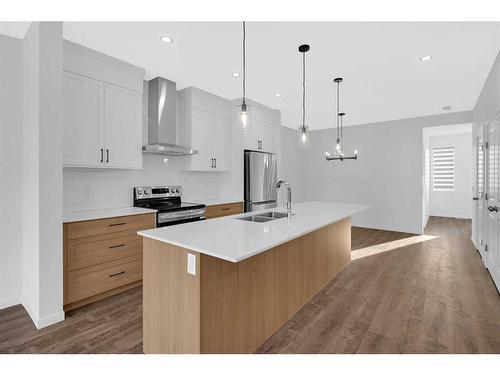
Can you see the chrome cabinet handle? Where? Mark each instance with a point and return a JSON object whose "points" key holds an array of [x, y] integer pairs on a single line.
{"points": [[215, 163], [475, 198], [102, 155], [493, 208], [107, 156]]}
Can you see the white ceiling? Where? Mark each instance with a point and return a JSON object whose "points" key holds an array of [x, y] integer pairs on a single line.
{"points": [[384, 78]]}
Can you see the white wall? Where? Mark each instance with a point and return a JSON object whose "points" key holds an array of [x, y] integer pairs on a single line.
{"points": [[387, 176], [42, 292], [456, 203], [10, 170]]}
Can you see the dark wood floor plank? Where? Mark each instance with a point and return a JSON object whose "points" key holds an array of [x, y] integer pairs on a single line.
{"points": [[401, 294]]}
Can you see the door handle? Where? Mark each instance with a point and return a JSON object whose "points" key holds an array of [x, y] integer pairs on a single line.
{"points": [[493, 208], [475, 198]]}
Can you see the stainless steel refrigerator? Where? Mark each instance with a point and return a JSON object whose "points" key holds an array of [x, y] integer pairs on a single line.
{"points": [[260, 180]]}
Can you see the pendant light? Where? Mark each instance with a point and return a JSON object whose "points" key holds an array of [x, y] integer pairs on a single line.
{"points": [[339, 145], [304, 136], [244, 106]]}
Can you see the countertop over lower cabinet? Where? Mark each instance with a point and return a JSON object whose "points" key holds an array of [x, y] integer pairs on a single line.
{"points": [[104, 213], [234, 240]]}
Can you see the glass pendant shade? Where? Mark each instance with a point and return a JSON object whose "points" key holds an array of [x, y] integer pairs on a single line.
{"points": [[244, 115], [304, 138]]}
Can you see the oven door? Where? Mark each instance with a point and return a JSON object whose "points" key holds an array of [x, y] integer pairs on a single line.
{"points": [[164, 219]]}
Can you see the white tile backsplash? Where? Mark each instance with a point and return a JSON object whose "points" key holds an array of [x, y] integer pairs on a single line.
{"points": [[86, 189]]}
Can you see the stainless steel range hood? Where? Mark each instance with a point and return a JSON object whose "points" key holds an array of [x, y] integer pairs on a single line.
{"points": [[162, 119]]}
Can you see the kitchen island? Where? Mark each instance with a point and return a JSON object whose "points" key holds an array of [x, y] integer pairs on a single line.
{"points": [[226, 285]]}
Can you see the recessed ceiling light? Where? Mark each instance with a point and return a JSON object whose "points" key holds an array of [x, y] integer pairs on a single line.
{"points": [[446, 107], [277, 95], [235, 74], [166, 39], [426, 58]]}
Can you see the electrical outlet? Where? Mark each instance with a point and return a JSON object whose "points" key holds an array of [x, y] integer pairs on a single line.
{"points": [[191, 264]]}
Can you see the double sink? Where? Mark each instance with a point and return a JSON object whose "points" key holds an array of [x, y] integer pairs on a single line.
{"points": [[264, 217]]}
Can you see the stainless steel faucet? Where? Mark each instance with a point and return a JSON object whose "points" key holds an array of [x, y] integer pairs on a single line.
{"points": [[289, 196]]}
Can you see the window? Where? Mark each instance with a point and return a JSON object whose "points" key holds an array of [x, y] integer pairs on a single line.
{"points": [[443, 168]]}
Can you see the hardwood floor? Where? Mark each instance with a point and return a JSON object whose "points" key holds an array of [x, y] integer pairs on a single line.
{"points": [[402, 293]]}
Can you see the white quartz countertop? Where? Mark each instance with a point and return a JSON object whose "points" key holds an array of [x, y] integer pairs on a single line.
{"points": [[213, 202], [104, 213], [235, 240]]}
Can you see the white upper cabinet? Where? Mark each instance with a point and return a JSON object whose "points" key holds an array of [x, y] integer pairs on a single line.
{"points": [[83, 120], [102, 110], [205, 118], [259, 135], [122, 136]]}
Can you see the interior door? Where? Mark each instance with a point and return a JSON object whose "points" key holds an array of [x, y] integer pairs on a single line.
{"points": [[82, 120], [493, 204], [479, 196], [122, 127], [492, 248]]}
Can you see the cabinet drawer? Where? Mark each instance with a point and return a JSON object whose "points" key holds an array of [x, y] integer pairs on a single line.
{"points": [[91, 251], [94, 280], [223, 210], [112, 225]]}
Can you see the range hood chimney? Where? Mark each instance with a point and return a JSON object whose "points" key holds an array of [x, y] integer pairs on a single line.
{"points": [[162, 127]]}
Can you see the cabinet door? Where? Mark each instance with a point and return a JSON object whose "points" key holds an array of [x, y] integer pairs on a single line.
{"points": [[122, 127], [200, 140], [218, 139], [267, 137], [82, 120]]}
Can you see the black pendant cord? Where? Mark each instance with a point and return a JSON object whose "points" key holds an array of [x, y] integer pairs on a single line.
{"points": [[338, 109], [244, 62], [303, 91]]}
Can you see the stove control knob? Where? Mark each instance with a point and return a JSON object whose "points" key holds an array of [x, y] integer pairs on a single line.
{"points": [[177, 190], [167, 190]]}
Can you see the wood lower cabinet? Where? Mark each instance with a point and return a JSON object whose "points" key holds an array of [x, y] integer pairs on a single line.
{"points": [[102, 257], [219, 210]]}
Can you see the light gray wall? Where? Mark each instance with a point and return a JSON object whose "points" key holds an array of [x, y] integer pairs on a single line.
{"points": [[387, 176], [456, 203], [42, 173], [488, 103], [10, 170], [292, 166]]}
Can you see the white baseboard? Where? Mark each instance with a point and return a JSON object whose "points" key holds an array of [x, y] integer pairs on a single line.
{"points": [[495, 275], [474, 242], [9, 302], [49, 320]]}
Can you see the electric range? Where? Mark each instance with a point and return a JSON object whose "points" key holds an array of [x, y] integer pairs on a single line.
{"points": [[167, 201]]}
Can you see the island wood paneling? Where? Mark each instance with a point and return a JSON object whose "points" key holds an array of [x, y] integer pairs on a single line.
{"points": [[234, 307], [171, 312]]}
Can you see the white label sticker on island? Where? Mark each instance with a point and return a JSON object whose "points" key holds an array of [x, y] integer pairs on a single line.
{"points": [[191, 269]]}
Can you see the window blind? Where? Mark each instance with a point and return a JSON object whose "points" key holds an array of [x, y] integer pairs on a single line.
{"points": [[443, 168]]}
